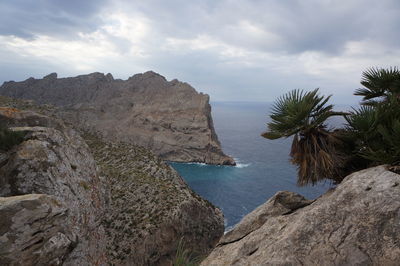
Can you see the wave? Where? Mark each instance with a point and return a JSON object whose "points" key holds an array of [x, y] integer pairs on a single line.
{"points": [[242, 165], [238, 164], [199, 164], [227, 229]]}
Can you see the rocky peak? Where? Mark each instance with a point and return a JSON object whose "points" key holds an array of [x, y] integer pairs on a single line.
{"points": [[109, 77], [51, 76]]}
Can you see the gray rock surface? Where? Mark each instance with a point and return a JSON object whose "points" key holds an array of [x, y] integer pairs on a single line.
{"points": [[168, 117], [357, 223], [56, 161], [33, 231]]}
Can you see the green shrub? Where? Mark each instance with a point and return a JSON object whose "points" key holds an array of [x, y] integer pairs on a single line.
{"points": [[9, 138], [184, 257]]}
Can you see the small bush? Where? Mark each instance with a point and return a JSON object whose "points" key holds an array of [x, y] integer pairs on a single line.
{"points": [[184, 257], [9, 138]]}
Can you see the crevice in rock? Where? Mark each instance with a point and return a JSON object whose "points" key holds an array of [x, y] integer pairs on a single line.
{"points": [[298, 207], [252, 252], [236, 240], [33, 244]]}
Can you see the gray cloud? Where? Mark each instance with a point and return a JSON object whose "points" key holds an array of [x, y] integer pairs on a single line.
{"points": [[233, 50], [300, 25], [26, 18]]}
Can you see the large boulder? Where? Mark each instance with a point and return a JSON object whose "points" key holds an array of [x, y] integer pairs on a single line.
{"points": [[357, 223]]}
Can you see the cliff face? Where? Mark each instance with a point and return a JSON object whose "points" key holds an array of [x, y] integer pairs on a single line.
{"points": [[168, 117], [357, 223], [86, 201]]}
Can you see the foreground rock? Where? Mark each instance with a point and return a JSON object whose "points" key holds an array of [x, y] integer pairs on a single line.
{"points": [[54, 160], [168, 117], [358, 223], [33, 231]]}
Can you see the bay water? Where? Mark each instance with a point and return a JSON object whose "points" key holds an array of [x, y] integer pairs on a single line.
{"points": [[263, 166]]}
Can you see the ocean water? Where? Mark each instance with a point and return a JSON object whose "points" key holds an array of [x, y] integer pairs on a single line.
{"points": [[263, 166]]}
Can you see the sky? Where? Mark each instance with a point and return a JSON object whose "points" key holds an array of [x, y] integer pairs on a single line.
{"points": [[233, 50]]}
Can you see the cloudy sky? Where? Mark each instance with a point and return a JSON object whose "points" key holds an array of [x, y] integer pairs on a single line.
{"points": [[234, 50]]}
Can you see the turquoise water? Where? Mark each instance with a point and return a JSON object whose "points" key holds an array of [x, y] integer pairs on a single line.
{"points": [[263, 165]]}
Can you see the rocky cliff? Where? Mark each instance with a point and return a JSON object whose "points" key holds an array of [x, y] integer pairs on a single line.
{"points": [[86, 201], [357, 223], [168, 117], [53, 160]]}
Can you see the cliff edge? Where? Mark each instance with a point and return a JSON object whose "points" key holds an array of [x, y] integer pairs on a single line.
{"points": [[168, 117]]}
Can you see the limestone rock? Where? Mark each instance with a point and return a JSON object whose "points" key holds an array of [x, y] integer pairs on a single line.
{"points": [[33, 231], [168, 117], [357, 223], [56, 161]]}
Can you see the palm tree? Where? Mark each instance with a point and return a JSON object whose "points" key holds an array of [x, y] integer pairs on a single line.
{"points": [[303, 115], [379, 84]]}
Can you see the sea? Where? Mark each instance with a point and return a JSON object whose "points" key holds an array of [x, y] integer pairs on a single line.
{"points": [[262, 169]]}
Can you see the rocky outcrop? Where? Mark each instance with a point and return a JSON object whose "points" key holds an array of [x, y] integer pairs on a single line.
{"points": [[357, 223], [125, 206], [168, 117], [54, 160], [33, 231], [152, 209]]}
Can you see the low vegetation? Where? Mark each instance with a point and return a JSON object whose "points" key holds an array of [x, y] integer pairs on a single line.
{"points": [[184, 257], [9, 138], [370, 136]]}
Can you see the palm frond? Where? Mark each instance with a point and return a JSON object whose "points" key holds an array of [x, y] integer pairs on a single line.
{"points": [[379, 82], [297, 111], [303, 115]]}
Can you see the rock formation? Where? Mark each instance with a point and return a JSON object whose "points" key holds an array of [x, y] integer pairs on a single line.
{"points": [[54, 160], [33, 231], [102, 203], [151, 208], [168, 117], [357, 223]]}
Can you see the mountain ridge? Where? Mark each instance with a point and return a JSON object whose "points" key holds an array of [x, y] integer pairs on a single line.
{"points": [[168, 117]]}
